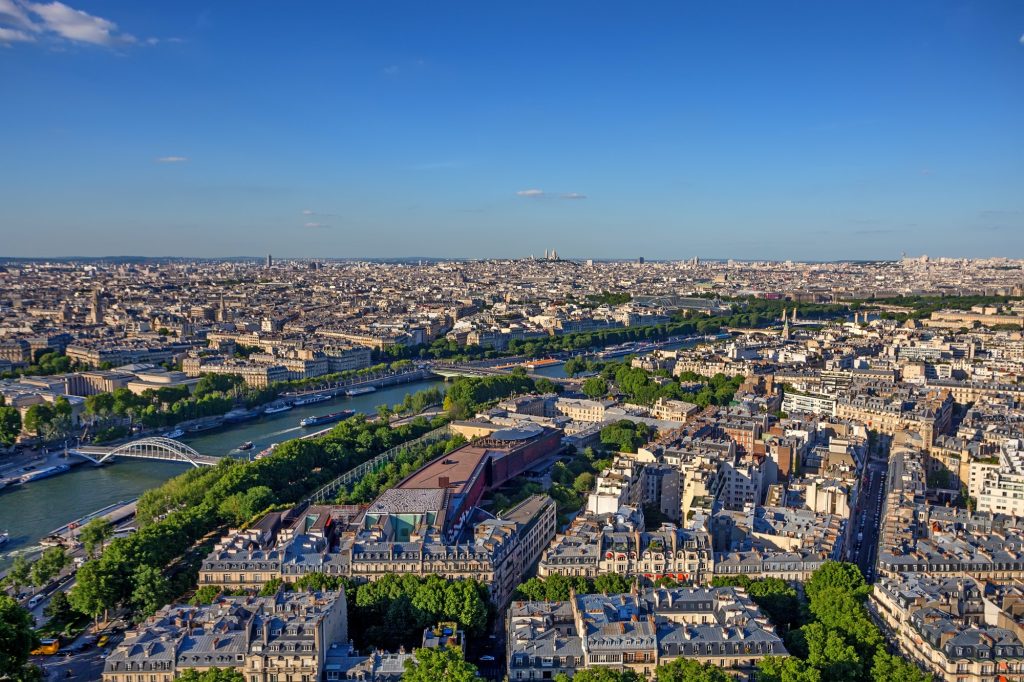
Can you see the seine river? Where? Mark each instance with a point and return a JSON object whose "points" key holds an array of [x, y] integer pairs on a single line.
{"points": [[32, 511]]}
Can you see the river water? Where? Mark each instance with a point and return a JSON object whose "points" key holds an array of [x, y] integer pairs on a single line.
{"points": [[30, 512]]}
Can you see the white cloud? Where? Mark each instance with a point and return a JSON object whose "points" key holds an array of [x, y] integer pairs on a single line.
{"points": [[78, 26], [14, 15], [573, 195], [314, 226], [13, 35], [530, 193], [172, 159], [20, 18], [308, 211], [392, 70]]}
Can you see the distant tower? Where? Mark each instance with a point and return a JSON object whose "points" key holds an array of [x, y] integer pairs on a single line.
{"points": [[785, 330], [270, 261], [794, 314], [223, 312], [96, 308], [554, 254], [545, 254], [785, 314], [640, 260]]}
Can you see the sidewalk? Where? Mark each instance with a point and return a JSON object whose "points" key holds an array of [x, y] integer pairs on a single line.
{"points": [[10, 467]]}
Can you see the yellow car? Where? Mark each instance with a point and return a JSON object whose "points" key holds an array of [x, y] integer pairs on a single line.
{"points": [[103, 640], [47, 647]]}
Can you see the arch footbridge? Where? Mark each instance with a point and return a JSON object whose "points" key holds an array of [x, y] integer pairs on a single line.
{"points": [[157, 448]]}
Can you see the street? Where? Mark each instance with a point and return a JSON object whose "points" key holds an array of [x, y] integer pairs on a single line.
{"points": [[866, 517]]}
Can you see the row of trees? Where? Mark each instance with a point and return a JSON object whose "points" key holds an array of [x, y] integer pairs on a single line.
{"points": [[45, 361], [394, 610], [679, 670], [405, 463], [37, 573], [558, 587], [640, 386], [214, 395], [838, 640], [467, 394], [172, 518]]}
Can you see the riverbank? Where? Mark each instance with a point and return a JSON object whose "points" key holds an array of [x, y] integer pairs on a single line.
{"points": [[30, 512]]}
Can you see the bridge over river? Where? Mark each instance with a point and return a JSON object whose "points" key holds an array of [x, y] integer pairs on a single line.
{"points": [[158, 448]]}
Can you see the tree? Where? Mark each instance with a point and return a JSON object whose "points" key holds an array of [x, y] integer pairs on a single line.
{"points": [[94, 534], [584, 483], [595, 387], [440, 665], [211, 675], [96, 589], [59, 609], [49, 565], [688, 670], [205, 595], [574, 366], [829, 652], [838, 574], [889, 668], [612, 583], [788, 669], [17, 638], [10, 425], [151, 590], [600, 675], [20, 573], [37, 417], [270, 588], [319, 582]]}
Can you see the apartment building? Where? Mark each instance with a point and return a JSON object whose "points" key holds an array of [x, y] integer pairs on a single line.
{"points": [[639, 631], [282, 637]]}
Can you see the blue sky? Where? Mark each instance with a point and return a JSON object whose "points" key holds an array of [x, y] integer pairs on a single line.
{"points": [[805, 130]]}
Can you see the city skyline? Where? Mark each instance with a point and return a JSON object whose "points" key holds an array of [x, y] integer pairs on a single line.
{"points": [[838, 132]]}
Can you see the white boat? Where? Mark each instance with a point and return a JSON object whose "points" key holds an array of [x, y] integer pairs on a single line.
{"points": [[45, 472], [176, 433], [274, 409], [362, 390], [312, 399], [4, 537]]}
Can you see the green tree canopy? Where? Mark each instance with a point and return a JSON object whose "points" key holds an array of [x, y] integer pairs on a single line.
{"points": [[842, 575], [20, 573], [94, 534], [52, 561], [10, 425], [600, 675], [17, 638], [440, 665], [688, 670], [211, 675], [595, 387]]}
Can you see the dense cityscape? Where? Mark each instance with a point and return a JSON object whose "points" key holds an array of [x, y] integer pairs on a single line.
{"points": [[597, 470], [573, 341]]}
